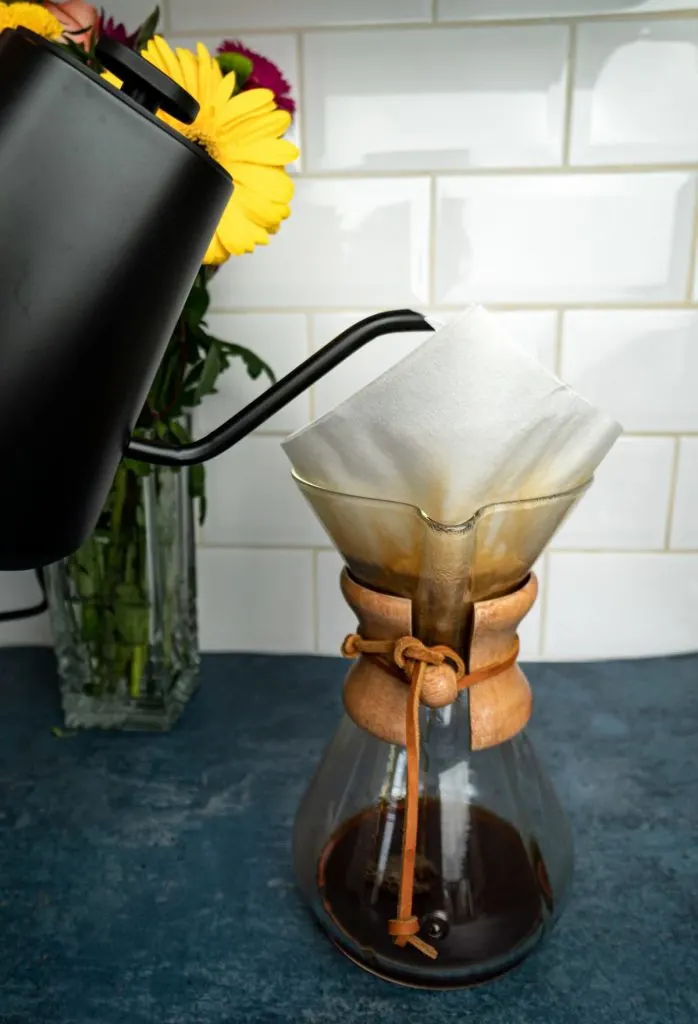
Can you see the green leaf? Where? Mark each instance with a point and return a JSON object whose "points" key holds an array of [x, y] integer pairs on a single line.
{"points": [[132, 622], [117, 497], [62, 734], [79, 52], [211, 370], [129, 592], [253, 364], [147, 30], [237, 62], [179, 431], [197, 303], [92, 626], [131, 613], [139, 468], [189, 399]]}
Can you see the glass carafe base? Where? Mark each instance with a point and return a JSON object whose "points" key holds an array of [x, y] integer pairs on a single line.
{"points": [[482, 923]]}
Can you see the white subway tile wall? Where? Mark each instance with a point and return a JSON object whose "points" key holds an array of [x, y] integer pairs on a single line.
{"points": [[563, 238], [493, 98], [485, 10], [282, 341], [202, 15], [639, 365], [626, 605], [546, 169], [350, 241], [21, 590], [626, 509], [253, 500], [635, 93], [270, 607], [133, 12], [684, 527]]}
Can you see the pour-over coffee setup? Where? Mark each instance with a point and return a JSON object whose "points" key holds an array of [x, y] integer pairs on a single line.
{"points": [[430, 844]]}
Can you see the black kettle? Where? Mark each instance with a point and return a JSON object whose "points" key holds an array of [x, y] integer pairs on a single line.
{"points": [[105, 216]]}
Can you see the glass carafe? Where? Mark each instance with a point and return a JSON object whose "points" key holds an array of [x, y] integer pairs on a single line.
{"points": [[493, 855]]}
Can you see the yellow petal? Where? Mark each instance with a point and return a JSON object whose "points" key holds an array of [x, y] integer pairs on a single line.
{"points": [[160, 55], [272, 152], [207, 79], [272, 182], [112, 79], [33, 16], [224, 91], [237, 232], [261, 209], [243, 133], [190, 71], [216, 252], [253, 101], [269, 126]]}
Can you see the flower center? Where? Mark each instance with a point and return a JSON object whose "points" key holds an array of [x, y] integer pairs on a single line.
{"points": [[202, 138]]}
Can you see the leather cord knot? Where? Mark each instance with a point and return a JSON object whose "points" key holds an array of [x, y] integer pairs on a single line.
{"points": [[409, 648], [415, 660]]}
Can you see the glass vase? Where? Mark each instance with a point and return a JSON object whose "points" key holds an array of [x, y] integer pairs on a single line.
{"points": [[123, 607]]}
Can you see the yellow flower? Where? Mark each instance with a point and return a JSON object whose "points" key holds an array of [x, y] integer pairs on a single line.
{"points": [[243, 134], [33, 16]]}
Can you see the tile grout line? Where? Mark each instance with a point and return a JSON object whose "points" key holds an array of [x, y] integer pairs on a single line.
{"points": [[569, 94], [425, 23], [673, 480], [559, 327], [300, 87], [165, 19], [310, 348], [634, 434], [501, 171], [543, 628], [600, 306], [694, 245], [431, 253], [291, 548]]}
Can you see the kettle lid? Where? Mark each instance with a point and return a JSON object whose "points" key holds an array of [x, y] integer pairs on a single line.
{"points": [[144, 87]]}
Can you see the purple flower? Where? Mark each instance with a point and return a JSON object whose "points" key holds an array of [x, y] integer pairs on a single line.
{"points": [[116, 30], [265, 75]]}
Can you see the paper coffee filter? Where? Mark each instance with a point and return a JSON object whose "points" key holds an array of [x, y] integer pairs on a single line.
{"points": [[465, 420]]}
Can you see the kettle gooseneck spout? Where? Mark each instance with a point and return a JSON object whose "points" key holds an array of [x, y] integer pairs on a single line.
{"points": [[279, 394]]}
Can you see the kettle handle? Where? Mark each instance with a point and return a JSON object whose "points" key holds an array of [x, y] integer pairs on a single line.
{"points": [[145, 83], [279, 394]]}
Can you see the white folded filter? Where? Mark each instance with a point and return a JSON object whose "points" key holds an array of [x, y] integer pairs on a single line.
{"points": [[465, 420]]}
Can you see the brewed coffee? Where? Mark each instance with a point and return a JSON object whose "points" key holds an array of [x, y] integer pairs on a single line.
{"points": [[499, 903]]}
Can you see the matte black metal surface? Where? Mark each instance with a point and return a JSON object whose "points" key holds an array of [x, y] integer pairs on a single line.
{"points": [[104, 220]]}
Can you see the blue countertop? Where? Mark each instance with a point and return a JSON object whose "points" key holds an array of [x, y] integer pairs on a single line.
{"points": [[147, 878]]}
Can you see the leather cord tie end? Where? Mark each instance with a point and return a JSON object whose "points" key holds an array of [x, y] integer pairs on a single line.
{"points": [[405, 931]]}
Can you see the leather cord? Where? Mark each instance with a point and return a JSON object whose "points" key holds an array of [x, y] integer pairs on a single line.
{"points": [[413, 658]]}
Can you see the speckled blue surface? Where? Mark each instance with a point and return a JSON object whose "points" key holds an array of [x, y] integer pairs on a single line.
{"points": [[148, 878]]}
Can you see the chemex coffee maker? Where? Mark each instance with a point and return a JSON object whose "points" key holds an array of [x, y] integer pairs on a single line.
{"points": [[430, 845]]}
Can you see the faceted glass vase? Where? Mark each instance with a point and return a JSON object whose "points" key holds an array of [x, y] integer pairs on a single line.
{"points": [[123, 607], [494, 850]]}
